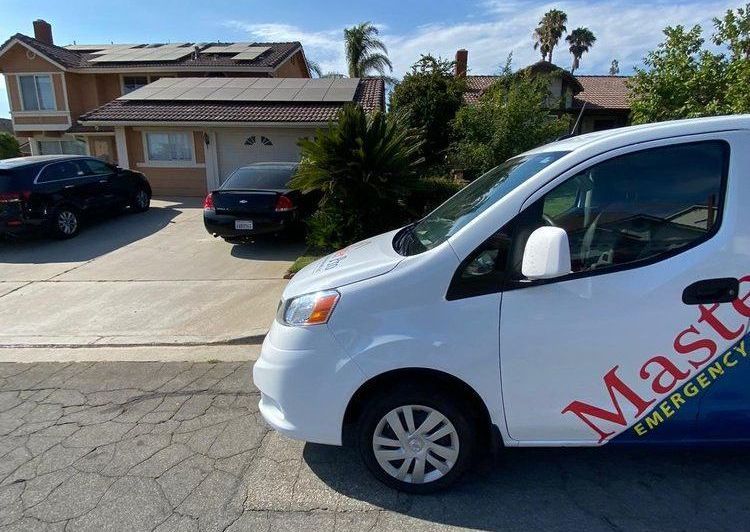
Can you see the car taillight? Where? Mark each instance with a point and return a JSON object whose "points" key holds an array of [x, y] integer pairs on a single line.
{"points": [[283, 203], [13, 197], [208, 203]]}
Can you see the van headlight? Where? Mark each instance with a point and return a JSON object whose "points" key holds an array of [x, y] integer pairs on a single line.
{"points": [[309, 309]]}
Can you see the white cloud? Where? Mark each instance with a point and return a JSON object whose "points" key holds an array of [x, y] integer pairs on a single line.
{"points": [[325, 46], [624, 31]]}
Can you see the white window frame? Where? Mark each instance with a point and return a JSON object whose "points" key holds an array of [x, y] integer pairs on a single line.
{"points": [[37, 140], [171, 163], [36, 75]]}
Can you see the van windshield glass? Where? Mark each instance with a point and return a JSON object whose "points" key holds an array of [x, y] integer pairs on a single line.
{"points": [[470, 202]]}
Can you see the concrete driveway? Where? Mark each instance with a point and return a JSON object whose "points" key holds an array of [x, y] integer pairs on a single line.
{"points": [[179, 446], [140, 280]]}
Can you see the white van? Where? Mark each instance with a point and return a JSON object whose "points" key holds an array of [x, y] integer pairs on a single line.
{"points": [[595, 290]]}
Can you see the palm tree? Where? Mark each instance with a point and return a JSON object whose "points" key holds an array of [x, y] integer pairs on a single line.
{"points": [[314, 68], [365, 53], [580, 40], [549, 32]]}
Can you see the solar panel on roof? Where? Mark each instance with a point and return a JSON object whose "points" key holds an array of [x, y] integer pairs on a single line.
{"points": [[251, 53], [267, 83], [281, 95], [244, 83], [292, 83], [229, 48], [248, 90], [252, 95]]}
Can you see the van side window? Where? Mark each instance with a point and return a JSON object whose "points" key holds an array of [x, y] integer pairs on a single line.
{"points": [[636, 208]]}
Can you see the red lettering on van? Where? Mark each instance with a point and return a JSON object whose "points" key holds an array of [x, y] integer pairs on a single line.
{"points": [[613, 383]]}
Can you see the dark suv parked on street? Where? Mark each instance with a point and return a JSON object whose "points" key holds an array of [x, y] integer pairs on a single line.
{"points": [[56, 193]]}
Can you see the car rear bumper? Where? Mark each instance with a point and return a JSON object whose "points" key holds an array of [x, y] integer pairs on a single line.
{"points": [[306, 383], [223, 224], [18, 226]]}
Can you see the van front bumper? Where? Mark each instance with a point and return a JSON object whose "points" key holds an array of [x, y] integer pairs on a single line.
{"points": [[306, 382]]}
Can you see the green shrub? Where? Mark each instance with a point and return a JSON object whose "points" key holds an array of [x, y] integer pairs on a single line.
{"points": [[9, 146], [364, 164]]}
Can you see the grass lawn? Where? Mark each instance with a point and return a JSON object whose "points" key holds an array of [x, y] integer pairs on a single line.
{"points": [[302, 261]]}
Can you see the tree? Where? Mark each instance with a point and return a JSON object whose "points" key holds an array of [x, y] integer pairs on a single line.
{"points": [[9, 146], [580, 40], [429, 96], [511, 117], [314, 68], [548, 33], [364, 165], [614, 67], [365, 52], [681, 80], [733, 31]]}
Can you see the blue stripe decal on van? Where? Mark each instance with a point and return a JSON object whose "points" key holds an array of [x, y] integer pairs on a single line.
{"points": [[712, 406]]}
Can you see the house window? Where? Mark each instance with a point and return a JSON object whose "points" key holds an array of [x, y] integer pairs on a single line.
{"points": [[131, 83], [37, 93], [172, 146], [64, 147]]}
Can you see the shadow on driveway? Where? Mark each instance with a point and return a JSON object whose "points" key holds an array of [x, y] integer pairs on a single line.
{"points": [[98, 237], [270, 248], [568, 489]]}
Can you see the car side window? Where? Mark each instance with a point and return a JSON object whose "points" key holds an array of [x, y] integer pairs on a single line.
{"points": [[636, 208], [60, 171], [96, 167]]}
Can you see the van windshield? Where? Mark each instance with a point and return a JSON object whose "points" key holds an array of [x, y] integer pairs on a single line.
{"points": [[470, 202]]}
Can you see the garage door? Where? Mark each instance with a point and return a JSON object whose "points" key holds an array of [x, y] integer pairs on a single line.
{"points": [[239, 147]]}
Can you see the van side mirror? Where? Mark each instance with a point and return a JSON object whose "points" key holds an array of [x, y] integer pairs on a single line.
{"points": [[547, 254]]}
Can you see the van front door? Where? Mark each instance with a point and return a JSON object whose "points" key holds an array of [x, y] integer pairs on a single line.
{"points": [[611, 351]]}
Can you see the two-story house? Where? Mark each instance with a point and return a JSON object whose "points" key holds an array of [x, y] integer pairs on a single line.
{"points": [[185, 114], [593, 103]]}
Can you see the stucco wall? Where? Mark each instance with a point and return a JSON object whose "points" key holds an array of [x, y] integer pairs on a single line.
{"points": [[293, 68]]}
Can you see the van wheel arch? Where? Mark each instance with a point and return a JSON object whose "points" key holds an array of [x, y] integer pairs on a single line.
{"points": [[487, 434]]}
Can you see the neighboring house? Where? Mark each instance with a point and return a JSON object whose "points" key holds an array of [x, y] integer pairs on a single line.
{"points": [[50, 87], [596, 102]]}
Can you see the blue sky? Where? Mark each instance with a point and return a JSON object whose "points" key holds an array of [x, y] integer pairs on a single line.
{"points": [[489, 29]]}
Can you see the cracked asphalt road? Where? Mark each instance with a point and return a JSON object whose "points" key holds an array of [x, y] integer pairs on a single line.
{"points": [[181, 446]]}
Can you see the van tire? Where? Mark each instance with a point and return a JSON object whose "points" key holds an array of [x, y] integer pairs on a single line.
{"points": [[451, 407]]}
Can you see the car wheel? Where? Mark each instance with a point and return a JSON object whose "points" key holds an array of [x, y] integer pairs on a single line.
{"points": [[66, 222], [416, 440], [141, 200]]}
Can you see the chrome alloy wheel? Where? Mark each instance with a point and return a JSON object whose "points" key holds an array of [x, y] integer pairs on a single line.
{"points": [[415, 444], [67, 222]]}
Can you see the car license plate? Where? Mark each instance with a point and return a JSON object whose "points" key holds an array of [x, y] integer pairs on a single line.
{"points": [[243, 224]]}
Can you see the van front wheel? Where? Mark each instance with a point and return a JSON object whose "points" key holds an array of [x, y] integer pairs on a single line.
{"points": [[415, 440]]}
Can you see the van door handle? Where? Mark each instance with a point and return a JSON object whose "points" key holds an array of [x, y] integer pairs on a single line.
{"points": [[708, 291], [69, 186], [104, 180]]}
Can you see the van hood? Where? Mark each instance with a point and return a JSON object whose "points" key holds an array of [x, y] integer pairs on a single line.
{"points": [[363, 260]]}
